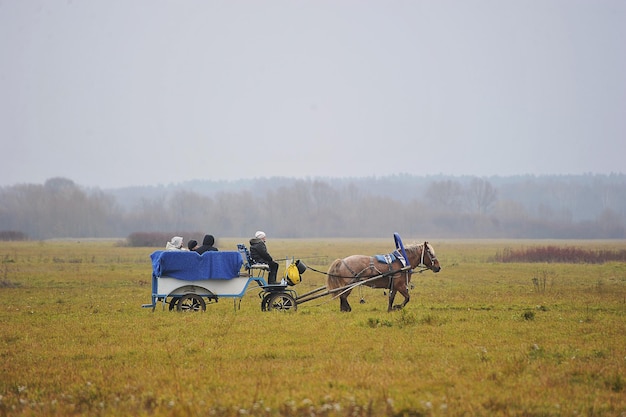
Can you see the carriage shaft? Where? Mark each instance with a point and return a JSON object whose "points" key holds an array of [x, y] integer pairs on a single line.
{"points": [[312, 295], [313, 291]]}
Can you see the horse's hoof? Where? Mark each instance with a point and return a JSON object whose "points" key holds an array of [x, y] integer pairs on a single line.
{"points": [[397, 307]]}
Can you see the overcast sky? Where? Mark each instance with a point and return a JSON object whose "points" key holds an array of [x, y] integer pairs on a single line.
{"points": [[110, 93]]}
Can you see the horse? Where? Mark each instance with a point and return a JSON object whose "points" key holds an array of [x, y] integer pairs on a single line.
{"points": [[356, 270]]}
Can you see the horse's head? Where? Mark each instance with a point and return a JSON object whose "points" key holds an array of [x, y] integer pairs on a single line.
{"points": [[432, 262]]}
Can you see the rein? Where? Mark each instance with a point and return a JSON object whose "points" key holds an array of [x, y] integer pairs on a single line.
{"points": [[355, 275], [358, 280]]}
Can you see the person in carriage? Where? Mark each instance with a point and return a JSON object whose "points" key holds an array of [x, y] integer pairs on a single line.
{"points": [[207, 245], [176, 243], [259, 254]]}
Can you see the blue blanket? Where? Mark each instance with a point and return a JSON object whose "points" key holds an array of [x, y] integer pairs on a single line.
{"points": [[192, 267], [391, 258]]}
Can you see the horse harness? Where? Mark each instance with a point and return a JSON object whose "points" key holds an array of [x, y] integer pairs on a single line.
{"points": [[372, 267], [389, 260]]}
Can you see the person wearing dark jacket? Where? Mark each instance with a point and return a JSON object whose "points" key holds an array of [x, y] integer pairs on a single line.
{"points": [[260, 255], [207, 245]]}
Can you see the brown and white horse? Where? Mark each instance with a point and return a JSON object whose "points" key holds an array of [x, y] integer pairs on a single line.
{"points": [[351, 271]]}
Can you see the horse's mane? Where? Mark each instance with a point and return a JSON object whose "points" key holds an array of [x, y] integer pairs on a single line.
{"points": [[415, 246]]}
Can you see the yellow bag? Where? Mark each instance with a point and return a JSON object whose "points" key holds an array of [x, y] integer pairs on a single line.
{"points": [[293, 275]]}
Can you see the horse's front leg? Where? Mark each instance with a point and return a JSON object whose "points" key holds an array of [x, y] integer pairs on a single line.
{"points": [[392, 296], [405, 293], [407, 297]]}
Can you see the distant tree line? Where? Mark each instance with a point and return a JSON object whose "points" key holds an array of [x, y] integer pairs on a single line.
{"points": [[467, 207]]}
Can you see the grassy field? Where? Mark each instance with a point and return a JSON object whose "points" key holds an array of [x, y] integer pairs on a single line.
{"points": [[478, 339]]}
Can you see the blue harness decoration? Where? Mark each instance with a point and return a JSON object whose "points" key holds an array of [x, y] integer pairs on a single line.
{"points": [[399, 253], [400, 247]]}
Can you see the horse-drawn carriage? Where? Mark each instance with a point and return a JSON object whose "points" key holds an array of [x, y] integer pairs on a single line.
{"points": [[187, 281]]}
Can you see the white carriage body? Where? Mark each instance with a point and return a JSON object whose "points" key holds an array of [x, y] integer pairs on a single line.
{"points": [[233, 287]]}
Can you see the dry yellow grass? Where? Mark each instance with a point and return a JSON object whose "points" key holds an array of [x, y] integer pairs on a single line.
{"points": [[477, 339]]}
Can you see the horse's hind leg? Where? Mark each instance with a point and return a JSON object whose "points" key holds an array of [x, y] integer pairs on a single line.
{"points": [[345, 306]]}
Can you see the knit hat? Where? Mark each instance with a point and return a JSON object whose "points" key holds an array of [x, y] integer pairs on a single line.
{"points": [[259, 235], [208, 240]]}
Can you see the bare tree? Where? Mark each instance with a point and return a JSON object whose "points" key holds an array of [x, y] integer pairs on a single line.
{"points": [[445, 195], [481, 196]]}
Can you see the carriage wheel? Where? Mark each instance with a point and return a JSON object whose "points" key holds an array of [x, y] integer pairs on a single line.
{"points": [[265, 302], [281, 301], [191, 302], [173, 303]]}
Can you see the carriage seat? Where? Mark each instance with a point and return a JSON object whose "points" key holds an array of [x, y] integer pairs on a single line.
{"points": [[248, 263]]}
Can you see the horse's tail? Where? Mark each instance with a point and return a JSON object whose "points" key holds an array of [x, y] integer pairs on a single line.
{"points": [[334, 277]]}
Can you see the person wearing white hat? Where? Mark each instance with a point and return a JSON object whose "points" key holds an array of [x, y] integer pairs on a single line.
{"points": [[175, 244], [259, 254]]}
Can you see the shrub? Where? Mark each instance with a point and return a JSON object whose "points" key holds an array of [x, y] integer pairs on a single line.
{"points": [[12, 235], [560, 254]]}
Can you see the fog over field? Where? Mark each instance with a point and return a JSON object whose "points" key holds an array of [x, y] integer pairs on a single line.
{"points": [[549, 207]]}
